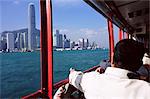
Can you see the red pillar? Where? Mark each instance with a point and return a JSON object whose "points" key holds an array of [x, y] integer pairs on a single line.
{"points": [[111, 39], [43, 44], [127, 35], [50, 47], [120, 34], [46, 47]]}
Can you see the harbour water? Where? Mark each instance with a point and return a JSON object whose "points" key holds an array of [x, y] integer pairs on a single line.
{"points": [[20, 72]]}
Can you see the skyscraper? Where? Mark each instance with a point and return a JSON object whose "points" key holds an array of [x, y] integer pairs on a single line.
{"points": [[23, 41], [10, 42], [17, 41], [31, 27], [86, 43], [59, 39], [66, 42], [72, 44], [81, 43]]}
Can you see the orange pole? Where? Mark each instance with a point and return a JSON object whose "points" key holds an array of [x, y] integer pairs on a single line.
{"points": [[111, 39]]}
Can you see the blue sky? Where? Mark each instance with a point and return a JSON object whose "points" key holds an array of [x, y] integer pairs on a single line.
{"points": [[14, 14], [74, 18]]}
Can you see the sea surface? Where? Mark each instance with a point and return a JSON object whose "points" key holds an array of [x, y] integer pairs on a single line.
{"points": [[20, 72]]}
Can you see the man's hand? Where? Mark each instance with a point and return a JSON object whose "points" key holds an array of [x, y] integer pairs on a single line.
{"points": [[71, 70], [60, 92], [100, 70]]}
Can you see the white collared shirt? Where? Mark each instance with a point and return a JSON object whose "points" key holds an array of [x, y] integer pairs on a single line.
{"points": [[113, 84]]}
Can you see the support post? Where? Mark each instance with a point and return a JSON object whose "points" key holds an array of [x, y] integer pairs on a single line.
{"points": [[120, 34], [127, 35], [44, 49], [111, 39], [50, 47]]}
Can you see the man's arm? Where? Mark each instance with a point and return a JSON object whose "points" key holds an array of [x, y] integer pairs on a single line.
{"points": [[75, 78]]}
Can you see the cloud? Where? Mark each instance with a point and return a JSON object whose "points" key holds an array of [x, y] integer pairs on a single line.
{"points": [[16, 1], [66, 2], [61, 31], [64, 31], [88, 32], [103, 30], [100, 36]]}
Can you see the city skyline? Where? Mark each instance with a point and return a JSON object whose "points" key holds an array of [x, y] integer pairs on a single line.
{"points": [[73, 17], [61, 42], [22, 41]]}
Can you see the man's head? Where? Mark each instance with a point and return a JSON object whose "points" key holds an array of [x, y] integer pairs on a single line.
{"points": [[128, 54]]}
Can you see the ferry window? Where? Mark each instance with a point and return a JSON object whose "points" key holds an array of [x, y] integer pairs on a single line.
{"points": [[19, 48], [80, 37], [116, 34]]}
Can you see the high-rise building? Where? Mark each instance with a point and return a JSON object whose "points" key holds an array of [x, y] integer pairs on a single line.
{"points": [[72, 44], [17, 41], [66, 42], [10, 42], [59, 39], [3, 43], [81, 43], [23, 41], [31, 27], [86, 43]]}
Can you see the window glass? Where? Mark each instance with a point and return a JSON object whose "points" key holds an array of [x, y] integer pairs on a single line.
{"points": [[80, 37], [19, 48]]}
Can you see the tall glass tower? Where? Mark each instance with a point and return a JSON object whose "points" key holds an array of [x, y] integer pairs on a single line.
{"points": [[31, 27]]}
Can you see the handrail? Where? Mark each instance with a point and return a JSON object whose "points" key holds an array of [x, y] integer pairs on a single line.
{"points": [[33, 95]]}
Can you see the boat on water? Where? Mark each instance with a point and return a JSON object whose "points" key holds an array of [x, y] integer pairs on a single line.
{"points": [[130, 16]]}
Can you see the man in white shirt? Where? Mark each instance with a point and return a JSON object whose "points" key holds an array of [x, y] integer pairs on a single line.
{"points": [[118, 81]]}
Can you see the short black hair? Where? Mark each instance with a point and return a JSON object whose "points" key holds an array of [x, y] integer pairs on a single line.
{"points": [[128, 54]]}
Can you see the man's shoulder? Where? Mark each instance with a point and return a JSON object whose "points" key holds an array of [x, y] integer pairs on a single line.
{"points": [[92, 76], [93, 73], [140, 83]]}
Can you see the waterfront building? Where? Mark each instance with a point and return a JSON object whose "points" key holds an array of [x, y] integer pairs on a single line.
{"points": [[54, 40], [86, 43], [59, 39], [37, 41], [72, 44], [81, 43], [3, 43], [31, 27], [17, 41], [66, 42], [23, 40], [10, 42]]}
